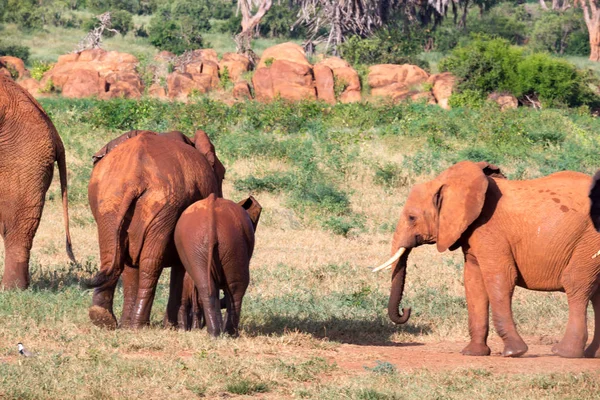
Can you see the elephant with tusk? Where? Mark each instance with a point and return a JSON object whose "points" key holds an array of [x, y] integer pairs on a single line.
{"points": [[536, 234]]}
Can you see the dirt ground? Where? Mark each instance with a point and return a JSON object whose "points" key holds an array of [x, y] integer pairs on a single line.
{"points": [[443, 356]]}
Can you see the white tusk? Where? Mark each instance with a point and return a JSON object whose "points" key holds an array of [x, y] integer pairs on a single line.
{"points": [[596, 255], [388, 263]]}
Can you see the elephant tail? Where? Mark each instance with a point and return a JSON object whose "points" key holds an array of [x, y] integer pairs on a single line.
{"points": [[212, 243], [62, 172], [113, 272]]}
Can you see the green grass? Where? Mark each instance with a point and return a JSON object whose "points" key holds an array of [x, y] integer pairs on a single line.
{"points": [[332, 180]]}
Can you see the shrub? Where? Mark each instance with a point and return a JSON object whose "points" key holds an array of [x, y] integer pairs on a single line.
{"points": [[122, 21], [554, 81], [278, 21], [557, 32], [178, 27], [389, 45], [505, 21], [485, 65], [39, 68], [132, 6], [14, 50]]}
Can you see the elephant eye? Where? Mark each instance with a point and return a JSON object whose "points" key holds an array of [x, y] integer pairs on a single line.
{"points": [[412, 219]]}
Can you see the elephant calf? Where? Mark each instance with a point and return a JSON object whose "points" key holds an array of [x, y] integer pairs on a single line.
{"points": [[215, 240]]}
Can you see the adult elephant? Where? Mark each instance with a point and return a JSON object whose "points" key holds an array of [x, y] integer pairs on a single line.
{"points": [[29, 146], [536, 234], [137, 192]]}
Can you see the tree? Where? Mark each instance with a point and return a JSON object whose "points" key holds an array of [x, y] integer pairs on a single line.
{"points": [[591, 15], [243, 40], [93, 40]]}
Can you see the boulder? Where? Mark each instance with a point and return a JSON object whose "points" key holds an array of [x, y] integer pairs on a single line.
{"points": [[16, 64], [324, 83], [84, 83], [288, 51], [441, 88], [506, 101], [4, 71], [181, 85], [284, 71], [31, 85], [397, 82], [241, 91], [164, 56], [346, 79], [158, 91], [115, 72], [236, 65]]}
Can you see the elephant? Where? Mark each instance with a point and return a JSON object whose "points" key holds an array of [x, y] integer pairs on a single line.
{"points": [[536, 234], [214, 238], [29, 146], [137, 192]]}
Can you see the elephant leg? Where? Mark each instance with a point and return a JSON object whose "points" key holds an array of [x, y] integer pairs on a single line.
{"points": [[197, 312], [18, 241], [578, 293], [150, 270], [593, 350], [478, 309], [212, 308], [174, 315], [130, 278], [233, 299], [500, 286]]}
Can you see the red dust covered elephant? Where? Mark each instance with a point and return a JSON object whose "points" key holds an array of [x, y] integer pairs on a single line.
{"points": [[29, 147], [137, 191], [536, 234]]}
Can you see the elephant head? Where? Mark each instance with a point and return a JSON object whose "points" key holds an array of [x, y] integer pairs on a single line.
{"points": [[436, 212], [203, 143], [253, 208]]}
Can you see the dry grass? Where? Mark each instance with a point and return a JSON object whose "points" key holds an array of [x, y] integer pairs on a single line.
{"points": [[311, 301]]}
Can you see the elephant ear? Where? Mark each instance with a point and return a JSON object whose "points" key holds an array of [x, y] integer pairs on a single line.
{"points": [[204, 145], [491, 170], [253, 208], [595, 201], [459, 201]]}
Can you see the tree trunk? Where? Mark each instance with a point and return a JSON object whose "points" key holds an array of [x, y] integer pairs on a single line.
{"points": [[591, 15], [595, 43], [543, 5]]}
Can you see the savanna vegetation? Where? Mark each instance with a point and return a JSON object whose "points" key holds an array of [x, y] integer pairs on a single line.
{"points": [[332, 180]]}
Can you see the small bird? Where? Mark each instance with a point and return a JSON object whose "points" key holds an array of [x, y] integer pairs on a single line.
{"points": [[23, 351]]}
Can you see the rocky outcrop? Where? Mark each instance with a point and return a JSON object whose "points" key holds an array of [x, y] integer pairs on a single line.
{"points": [[346, 79], [284, 72], [106, 74], [236, 65], [31, 85], [397, 82], [324, 83], [16, 65], [241, 91], [441, 88]]}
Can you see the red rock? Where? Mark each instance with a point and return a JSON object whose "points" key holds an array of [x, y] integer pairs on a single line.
{"points": [[164, 56], [211, 69], [397, 82], [241, 91], [181, 85], [84, 83], [506, 101], [236, 65], [344, 75], [17, 64], [292, 81], [324, 83], [263, 85], [158, 91], [441, 87], [31, 85], [288, 51]]}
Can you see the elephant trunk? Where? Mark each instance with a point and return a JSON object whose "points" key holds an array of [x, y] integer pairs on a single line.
{"points": [[398, 278]]}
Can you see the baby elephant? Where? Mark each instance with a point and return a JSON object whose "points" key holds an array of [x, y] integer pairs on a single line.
{"points": [[215, 240]]}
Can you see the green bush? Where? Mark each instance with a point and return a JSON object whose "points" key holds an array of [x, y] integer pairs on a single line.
{"points": [[14, 50], [39, 68], [561, 33], [485, 65], [122, 21], [178, 27], [278, 21], [132, 6], [389, 45], [507, 20], [554, 81]]}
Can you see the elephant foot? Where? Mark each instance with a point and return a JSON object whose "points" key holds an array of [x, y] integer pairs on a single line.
{"points": [[592, 351], [476, 349], [567, 351], [514, 349], [102, 318]]}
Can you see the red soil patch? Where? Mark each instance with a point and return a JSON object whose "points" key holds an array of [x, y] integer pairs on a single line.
{"points": [[446, 356]]}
